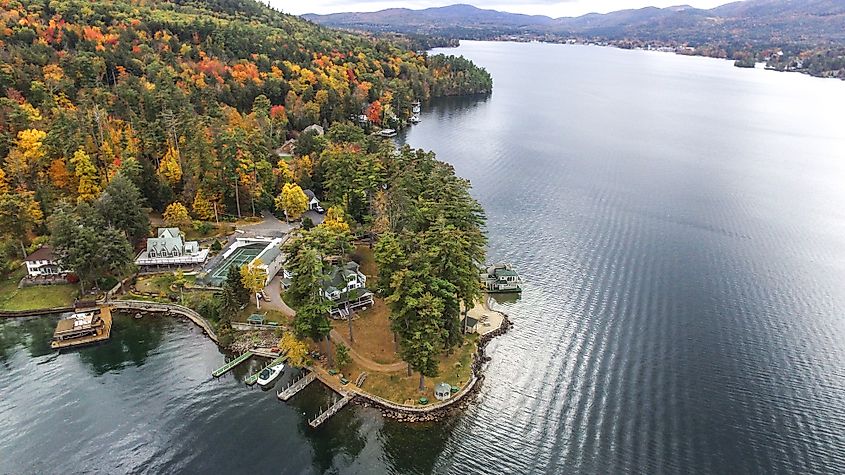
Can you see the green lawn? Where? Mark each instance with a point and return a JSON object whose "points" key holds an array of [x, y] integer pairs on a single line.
{"points": [[270, 315], [30, 298]]}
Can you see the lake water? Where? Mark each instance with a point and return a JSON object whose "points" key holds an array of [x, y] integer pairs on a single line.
{"points": [[680, 224]]}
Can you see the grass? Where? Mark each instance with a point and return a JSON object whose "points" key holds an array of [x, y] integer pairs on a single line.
{"points": [[269, 314], [373, 337], [454, 369], [30, 298]]}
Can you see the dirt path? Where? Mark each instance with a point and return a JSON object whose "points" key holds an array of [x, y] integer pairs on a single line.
{"points": [[365, 362]]}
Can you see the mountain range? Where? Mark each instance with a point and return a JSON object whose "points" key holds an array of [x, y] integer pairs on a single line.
{"points": [[744, 23]]}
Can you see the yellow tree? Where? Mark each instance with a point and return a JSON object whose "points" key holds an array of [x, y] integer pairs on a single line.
{"points": [[169, 167], [292, 201], [4, 183], [28, 152], [336, 220], [284, 172], [88, 188], [295, 349], [203, 207], [253, 277], [176, 215]]}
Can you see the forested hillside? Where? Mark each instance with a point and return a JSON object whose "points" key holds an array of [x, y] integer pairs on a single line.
{"points": [[184, 101]]}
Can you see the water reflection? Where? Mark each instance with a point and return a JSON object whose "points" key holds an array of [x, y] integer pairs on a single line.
{"points": [[131, 342], [33, 333]]}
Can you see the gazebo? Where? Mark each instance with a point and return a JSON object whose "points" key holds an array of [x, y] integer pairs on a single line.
{"points": [[443, 391]]}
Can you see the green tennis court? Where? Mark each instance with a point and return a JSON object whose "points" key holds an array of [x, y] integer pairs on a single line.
{"points": [[241, 256]]}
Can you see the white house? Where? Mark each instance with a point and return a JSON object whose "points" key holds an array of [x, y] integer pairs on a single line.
{"points": [[42, 263], [270, 260], [345, 288], [313, 202], [170, 248]]}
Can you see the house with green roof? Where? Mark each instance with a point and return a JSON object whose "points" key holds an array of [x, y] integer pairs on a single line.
{"points": [[345, 287], [500, 278]]}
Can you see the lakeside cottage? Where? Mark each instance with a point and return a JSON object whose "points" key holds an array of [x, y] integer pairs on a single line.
{"points": [[345, 287], [43, 264], [170, 248], [500, 278]]}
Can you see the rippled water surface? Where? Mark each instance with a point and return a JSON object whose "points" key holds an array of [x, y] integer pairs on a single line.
{"points": [[680, 224]]}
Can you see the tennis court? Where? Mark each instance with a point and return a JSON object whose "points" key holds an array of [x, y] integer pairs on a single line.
{"points": [[241, 256]]}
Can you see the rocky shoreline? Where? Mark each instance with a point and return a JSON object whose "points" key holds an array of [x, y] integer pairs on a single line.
{"points": [[455, 405]]}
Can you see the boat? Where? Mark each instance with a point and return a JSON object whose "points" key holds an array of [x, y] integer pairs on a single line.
{"points": [[387, 133], [269, 374], [416, 108], [83, 327], [415, 119]]}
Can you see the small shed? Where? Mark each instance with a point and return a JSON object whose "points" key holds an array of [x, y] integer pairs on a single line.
{"points": [[443, 391], [470, 324]]}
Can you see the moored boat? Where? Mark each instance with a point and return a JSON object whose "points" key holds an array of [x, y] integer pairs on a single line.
{"points": [[387, 133], [268, 375]]}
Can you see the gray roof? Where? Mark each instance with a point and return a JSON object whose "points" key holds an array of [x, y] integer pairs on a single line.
{"points": [[269, 255], [310, 194], [43, 253]]}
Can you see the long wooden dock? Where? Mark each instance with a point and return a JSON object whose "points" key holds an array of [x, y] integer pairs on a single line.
{"points": [[226, 367], [253, 378], [297, 386], [332, 410]]}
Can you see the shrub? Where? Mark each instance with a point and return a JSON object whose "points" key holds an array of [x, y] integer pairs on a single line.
{"points": [[202, 227], [216, 246], [307, 223]]}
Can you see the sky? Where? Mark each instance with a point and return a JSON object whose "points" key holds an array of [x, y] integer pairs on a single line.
{"points": [[552, 8]]}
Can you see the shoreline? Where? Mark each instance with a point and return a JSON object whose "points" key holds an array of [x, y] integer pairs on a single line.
{"points": [[602, 44], [389, 409]]}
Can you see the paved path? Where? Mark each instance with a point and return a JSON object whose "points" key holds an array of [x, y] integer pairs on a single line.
{"points": [[365, 362], [276, 302]]}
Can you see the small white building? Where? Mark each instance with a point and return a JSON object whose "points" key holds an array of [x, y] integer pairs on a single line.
{"points": [[170, 248], [42, 263], [313, 202]]}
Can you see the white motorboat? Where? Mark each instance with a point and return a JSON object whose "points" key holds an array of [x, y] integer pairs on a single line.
{"points": [[387, 133], [415, 119], [269, 374]]}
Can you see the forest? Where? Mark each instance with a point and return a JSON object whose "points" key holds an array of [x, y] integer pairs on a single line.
{"points": [[111, 107]]}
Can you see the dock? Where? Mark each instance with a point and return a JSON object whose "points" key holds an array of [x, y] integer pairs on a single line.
{"points": [[297, 386], [253, 378], [226, 367], [83, 328], [332, 410]]}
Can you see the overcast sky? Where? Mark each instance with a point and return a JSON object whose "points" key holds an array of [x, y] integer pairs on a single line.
{"points": [[552, 8]]}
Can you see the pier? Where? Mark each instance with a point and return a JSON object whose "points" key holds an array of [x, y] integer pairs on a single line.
{"points": [[332, 410], [226, 367], [253, 378], [297, 386]]}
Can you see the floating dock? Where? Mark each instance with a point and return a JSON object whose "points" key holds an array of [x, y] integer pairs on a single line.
{"points": [[332, 410], [296, 386], [226, 367], [253, 378], [83, 328]]}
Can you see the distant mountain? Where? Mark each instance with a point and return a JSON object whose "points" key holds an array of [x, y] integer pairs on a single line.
{"points": [[758, 22]]}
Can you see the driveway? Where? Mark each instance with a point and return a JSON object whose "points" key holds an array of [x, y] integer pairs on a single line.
{"points": [[316, 217], [269, 226], [275, 301]]}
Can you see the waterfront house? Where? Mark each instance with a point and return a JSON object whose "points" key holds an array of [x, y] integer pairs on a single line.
{"points": [[169, 247], [42, 263], [500, 278], [344, 287]]}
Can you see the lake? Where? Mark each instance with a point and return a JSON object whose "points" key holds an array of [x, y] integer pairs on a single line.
{"points": [[680, 225]]}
